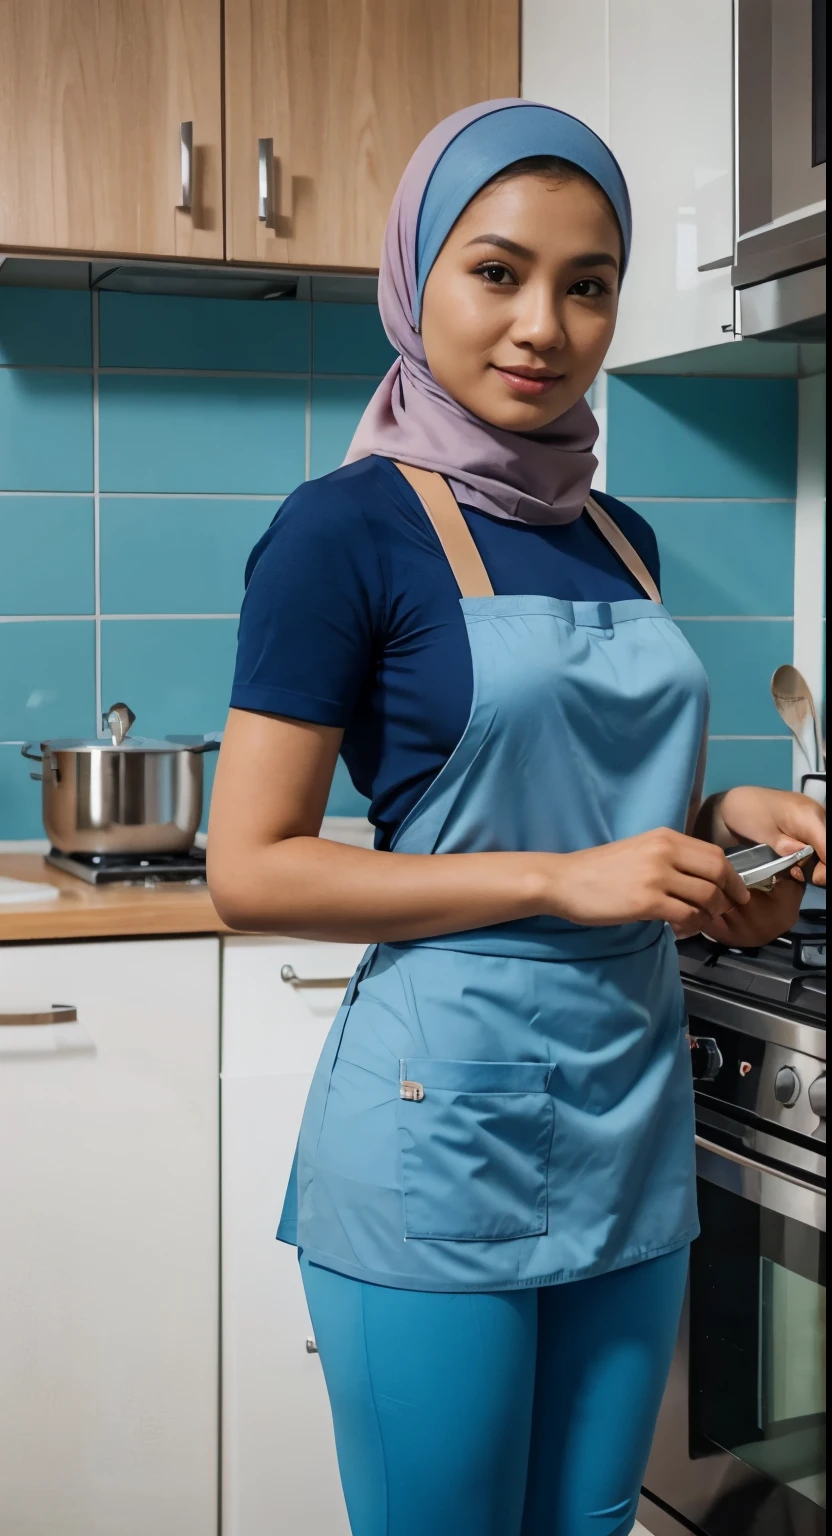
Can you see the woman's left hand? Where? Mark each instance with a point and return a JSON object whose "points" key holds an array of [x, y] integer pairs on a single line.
{"points": [[787, 822]]}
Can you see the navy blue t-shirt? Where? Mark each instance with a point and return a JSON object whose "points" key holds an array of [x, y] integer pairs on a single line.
{"points": [[351, 618]]}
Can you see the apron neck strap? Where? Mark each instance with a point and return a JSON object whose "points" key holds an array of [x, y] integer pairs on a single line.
{"points": [[451, 530], [463, 556], [620, 544]]}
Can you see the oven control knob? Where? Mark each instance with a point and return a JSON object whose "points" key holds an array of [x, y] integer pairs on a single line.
{"points": [[817, 1096], [787, 1087], [705, 1058]]}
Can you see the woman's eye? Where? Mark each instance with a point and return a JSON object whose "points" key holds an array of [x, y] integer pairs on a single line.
{"points": [[589, 288], [495, 273]]}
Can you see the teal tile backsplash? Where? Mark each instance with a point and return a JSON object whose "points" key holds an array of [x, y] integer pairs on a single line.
{"points": [[349, 338], [192, 432], [145, 331], [702, 437], [177, 554], [47, 554], [47, 678], [731, 558], [42, 327], [124, 530], [174, 673], [337, 405], [45, 430]]}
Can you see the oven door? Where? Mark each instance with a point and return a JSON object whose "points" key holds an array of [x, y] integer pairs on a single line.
{"points": [[740, 1445]]}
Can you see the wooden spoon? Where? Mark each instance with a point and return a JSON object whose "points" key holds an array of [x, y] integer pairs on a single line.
{"points": [[794, 704]]}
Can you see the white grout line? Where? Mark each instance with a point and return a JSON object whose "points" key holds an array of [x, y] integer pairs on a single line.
{"points": [[103, 618], [739, 501], [155, 495], [189, 373], [119, 618], [96, 507]]}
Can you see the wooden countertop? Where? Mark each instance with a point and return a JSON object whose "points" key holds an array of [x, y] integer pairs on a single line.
{"points": [[91, 912]]}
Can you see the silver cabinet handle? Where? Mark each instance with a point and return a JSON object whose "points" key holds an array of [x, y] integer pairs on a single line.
{"points": [[59, 1013], [186, 156], [311, 1347], [265, 157], [292, 979], [749, 1162]]}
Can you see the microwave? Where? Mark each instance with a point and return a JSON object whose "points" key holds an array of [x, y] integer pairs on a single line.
{"points": [[779, 271]]}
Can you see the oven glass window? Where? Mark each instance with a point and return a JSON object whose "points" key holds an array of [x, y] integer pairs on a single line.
{"points": [[758, 1344]]}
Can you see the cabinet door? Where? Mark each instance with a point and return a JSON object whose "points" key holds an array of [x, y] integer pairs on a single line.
{"points": [[277, 1442], [341, 91], [92, 96], [109, 1240], [671, 129]]}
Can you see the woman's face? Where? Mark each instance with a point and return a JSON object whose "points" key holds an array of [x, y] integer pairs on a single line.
{"points": [[519, 308]]}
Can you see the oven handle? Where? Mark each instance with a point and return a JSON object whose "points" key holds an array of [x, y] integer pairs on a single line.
{"points": [[749, 1162]]}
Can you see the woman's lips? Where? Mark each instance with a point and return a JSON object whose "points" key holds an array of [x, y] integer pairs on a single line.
{"points": [[529, 384]]}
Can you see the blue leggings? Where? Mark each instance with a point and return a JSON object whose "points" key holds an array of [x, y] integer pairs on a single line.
{"points": [[506, 1413]]}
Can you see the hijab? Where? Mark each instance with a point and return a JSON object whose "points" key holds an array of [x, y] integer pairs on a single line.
{"points": [[543, 476]]}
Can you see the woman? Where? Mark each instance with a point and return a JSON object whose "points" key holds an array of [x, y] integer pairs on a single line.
{"points": [[494, 1192]]}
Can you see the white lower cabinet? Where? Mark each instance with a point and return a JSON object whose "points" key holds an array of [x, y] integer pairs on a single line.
{"points": [[109, 1231], [279, 1471]]}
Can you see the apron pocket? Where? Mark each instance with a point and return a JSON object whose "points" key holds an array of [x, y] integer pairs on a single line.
{"points": [[475, 1139]]}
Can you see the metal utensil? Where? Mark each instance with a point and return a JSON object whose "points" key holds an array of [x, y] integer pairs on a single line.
{"points": [[794, 704], [118, 720]]}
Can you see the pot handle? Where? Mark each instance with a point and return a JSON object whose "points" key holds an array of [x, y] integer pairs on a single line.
{"points": [[49, 761], [210, 742]]}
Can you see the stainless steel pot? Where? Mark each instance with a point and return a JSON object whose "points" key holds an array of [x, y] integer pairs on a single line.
{"points": [[125, 795]]}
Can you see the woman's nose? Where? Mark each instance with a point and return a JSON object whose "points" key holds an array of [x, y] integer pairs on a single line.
{"points": [[538, 321]]}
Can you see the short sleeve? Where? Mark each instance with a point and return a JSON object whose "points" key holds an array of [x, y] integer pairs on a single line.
{"points": [[312, 610]]}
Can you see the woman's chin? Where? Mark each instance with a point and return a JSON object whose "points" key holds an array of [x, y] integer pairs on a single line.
{"points": [[520, 415]]}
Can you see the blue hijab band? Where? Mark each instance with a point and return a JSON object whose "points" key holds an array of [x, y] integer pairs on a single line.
{"points": [[490, 144]]}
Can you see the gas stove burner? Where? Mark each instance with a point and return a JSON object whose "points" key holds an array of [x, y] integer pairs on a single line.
{"points": [[790, 973], [132, 868]]}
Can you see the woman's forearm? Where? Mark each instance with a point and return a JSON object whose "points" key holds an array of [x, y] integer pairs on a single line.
{"points": [[310, 887]]}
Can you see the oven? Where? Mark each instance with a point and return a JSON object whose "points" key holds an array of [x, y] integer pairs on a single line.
{"points": [[740, 1448]]}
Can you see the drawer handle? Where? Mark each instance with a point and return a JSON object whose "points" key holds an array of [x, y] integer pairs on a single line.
{"points": [[59, 1013], [292, 979], [186, 157], [265, 158]]}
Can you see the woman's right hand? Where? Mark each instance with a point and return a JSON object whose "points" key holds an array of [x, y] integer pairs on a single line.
{"points": [[662, 875]]}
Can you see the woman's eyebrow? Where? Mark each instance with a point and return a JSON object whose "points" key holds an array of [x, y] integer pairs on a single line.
{"points": [[504, 245], [595, 259]]}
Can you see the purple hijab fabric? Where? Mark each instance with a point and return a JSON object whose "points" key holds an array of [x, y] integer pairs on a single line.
{"points": [[535, 477]]}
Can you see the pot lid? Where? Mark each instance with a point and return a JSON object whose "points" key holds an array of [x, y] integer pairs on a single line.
{"points": [[133, 744], [118, 720]]}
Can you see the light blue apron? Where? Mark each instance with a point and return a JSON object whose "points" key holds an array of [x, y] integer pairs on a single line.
{"points": [[513, 1106]]}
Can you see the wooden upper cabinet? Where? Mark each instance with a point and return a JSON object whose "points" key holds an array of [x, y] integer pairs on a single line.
{"points": [[92, 95], [326, 101]]}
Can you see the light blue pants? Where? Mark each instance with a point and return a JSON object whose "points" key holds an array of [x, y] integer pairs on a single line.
{"points": [[512, 1413]]}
